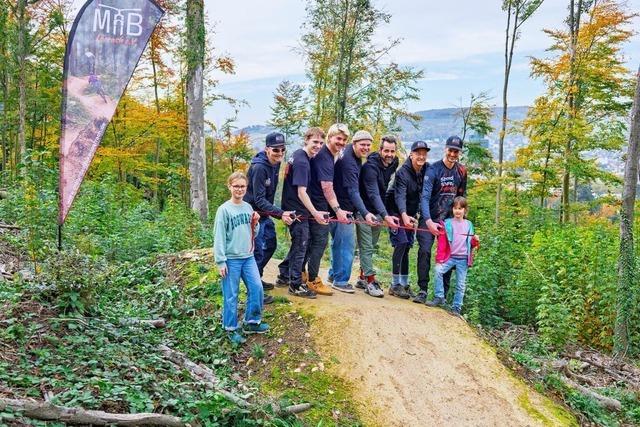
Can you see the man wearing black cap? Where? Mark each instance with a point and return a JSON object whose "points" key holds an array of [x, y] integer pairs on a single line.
{"points": [[261, 190], [404, 199], [444, 181]]}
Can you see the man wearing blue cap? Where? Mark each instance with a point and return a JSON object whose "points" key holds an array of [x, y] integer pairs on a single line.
{"points": [[261, 190], [444, 181]]}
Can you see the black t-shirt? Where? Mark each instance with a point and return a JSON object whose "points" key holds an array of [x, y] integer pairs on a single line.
{"points": [[321, 170], [296, 173], [441, 186], [346, 178]]}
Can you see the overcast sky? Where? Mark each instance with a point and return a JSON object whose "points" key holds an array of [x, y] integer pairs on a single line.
{"points": [[458, 43]]}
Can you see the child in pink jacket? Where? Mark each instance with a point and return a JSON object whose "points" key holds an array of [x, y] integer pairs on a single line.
{"points": [[455, 249]]}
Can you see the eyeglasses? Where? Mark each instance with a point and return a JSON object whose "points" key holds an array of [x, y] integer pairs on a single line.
{"points": [[278, 150], [238, 187]]}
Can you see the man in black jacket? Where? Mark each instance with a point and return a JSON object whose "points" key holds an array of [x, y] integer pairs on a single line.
{"points": [[404, 200], [374, 180], [261, 190], [346, 184]]}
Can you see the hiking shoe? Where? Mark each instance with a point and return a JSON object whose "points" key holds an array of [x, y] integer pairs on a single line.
{"points": [[361, 284], [267, 299], [319, 287], [281, 282], [255, 328], [421, 298], [409, 292], [267, 286], [399, 291], [346, 288], [436, 302], [236, 338], [374, 289], [456, 311], [302, 292]]}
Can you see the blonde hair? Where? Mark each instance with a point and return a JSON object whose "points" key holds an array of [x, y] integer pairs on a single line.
{"points": [[235, 176], [337, 128]]}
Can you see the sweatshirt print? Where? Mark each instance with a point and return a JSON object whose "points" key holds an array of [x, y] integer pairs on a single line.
{"points": [[233, 236]]}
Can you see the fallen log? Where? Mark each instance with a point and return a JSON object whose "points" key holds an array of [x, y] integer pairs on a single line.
{"points": [[10, 227], [202, 373], [156, 323], [48, 412], [209, 379], [604, 401]]}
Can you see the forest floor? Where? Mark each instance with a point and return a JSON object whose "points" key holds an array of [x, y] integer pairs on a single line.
{"points": [[410, 365]]}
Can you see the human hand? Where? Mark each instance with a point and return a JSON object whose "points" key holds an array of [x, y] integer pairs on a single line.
{"points": [[434, 228], [222, 269], [407, 220], [343, 216], [371, 219], [288, 217], [392, 221], [321, 217], [255, 218]]}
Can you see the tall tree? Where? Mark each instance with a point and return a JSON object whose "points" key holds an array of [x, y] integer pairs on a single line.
{"points": [[347, 70], [476, 117], [288, 112], [518, 12], [627, 262], [589, 88], [195, 51]]}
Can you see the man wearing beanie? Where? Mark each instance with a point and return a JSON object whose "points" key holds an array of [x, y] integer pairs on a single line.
{"points": [[346, 185], [374, 180], [444, 181], [261, 190]]}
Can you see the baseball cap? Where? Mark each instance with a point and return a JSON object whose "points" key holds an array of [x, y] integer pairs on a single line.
{"points": [[419, 145], [454, 142], [274, 139], [360, 135]]}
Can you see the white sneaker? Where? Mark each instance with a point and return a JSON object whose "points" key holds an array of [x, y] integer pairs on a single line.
{"points": [[374, 290]]}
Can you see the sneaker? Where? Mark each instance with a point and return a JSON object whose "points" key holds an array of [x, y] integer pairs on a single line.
{"points": [[361, 284], [236, 338], [255, 328], [456, 311], [436, 302], [302, 292], [267, 299], [374, 290], [421, 298], [281, 282], [267, 286], [319, 287], [346, 288], [409, 292], [399, 291]]}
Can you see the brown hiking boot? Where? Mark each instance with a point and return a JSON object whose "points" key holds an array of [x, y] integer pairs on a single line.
{"points": [[319, 287]]}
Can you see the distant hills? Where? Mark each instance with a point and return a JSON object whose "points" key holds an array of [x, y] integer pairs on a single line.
{"points": [[434, 127]]}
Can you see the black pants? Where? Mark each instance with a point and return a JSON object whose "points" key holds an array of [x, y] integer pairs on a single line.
{"points": [[425, 245], [265, 243], [291, 267], [318, 239]]}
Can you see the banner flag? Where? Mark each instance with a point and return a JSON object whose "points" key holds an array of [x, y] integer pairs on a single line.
{"points": [[104, 47]]}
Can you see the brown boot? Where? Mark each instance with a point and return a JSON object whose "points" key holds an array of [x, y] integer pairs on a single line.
{"points": [[319, 287]]}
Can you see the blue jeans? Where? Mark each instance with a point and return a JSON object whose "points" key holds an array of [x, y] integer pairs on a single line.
{"points": [[343, 245], [265, 243], [461, 267], [247, 270]]}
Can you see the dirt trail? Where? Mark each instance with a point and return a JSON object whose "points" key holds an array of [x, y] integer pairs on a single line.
{"points": [[416, 366]]}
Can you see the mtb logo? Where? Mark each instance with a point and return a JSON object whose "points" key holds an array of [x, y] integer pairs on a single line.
{"points": [[118, 22]]}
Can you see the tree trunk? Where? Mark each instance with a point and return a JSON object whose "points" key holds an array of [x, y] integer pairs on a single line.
{"points": [[156, 186], [195, 92], [509, 45], [626, 260], [21, 9]]}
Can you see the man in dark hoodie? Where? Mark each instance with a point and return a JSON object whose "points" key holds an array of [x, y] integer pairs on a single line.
{"points": [[374, 180], [261, 190], [404, 199]]}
